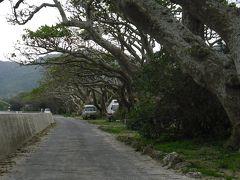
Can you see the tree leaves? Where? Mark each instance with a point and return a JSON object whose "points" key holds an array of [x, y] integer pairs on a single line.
{"points": [[46, 32]]}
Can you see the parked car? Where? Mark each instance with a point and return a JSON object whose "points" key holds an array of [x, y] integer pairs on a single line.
{"points": [[89, 112], [47, 110], [112, 109]]}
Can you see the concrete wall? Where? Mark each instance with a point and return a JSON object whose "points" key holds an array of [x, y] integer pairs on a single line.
{"points": [[15, 129]]}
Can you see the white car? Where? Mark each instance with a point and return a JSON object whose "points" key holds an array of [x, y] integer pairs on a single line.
{"points": [[47, 110], [89, 111], [112, 108]]}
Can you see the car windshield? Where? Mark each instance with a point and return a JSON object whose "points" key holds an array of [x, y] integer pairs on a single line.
{"points": [[90, 109]]}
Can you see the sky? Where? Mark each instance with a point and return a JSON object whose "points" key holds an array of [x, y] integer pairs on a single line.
{"points": [[9, 34]]}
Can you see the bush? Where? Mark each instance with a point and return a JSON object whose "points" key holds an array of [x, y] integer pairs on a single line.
{"points": [[169, 101], [120, 114]]}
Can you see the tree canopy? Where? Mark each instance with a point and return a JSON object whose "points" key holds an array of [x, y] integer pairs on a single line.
{"points": [[201, 35]]}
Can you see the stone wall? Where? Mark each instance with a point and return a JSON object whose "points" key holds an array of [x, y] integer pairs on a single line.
{"points": [[17, 128]]}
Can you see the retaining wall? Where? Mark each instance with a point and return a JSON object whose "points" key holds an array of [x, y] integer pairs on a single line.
{"points": [[15, 129]]}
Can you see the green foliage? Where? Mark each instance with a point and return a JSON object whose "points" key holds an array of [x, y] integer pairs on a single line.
{"points": [[35, 100], [114, 128], [16, 103], [3, 106], [170, 102], [46, 32], [120, 114], [142, 116], [208, 157], [225, 2]]}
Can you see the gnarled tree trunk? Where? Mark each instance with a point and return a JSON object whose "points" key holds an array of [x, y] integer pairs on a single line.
{"points": [[215, 71]]}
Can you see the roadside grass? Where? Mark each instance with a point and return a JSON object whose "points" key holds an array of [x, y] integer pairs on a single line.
{"points": [[209, 158], [115, 127]]}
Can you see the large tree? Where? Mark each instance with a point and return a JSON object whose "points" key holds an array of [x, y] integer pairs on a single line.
{"points": [[82, 83], [183, 39], [91, 25], [218, 72]]}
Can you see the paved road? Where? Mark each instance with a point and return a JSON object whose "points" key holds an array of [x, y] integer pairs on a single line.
{"points": [[75, 150]]}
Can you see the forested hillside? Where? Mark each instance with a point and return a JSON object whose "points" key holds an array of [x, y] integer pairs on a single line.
{"points": [[15, 78]]}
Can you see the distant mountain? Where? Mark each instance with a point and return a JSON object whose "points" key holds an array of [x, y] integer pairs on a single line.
{"points": [[15, 78]]}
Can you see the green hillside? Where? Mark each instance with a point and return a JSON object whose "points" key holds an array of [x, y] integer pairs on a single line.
{"points": [[15, 78]]}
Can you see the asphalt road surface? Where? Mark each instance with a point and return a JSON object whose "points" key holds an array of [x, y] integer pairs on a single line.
{"points": [[76, 150]]}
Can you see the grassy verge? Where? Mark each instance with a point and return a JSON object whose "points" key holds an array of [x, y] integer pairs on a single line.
{"points": [[211, 159]]}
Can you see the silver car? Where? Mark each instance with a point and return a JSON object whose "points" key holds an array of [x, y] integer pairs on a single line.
{"points": [[89, 112], [47, 110]]}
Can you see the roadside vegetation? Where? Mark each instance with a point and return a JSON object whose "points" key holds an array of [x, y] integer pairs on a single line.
{"points": [[207, 157], [174, 71], [170, 112]]}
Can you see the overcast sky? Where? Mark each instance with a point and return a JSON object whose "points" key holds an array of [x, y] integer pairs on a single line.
{"points": [[9, 33]]}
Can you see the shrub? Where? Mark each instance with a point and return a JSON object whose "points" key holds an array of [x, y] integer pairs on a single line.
{"points": [[169, 101]]}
